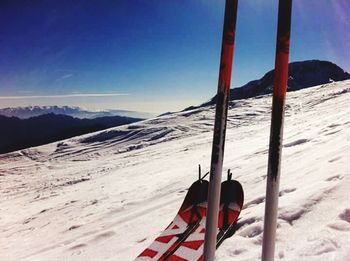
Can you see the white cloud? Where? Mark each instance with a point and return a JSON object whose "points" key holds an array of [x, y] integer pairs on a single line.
{"points": [[66, 76]]}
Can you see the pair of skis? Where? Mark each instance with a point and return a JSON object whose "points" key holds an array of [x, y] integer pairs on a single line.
{"points": [[183, 239]]}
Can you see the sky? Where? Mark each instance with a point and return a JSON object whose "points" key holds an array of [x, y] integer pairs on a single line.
{"points": [[150, 55]]}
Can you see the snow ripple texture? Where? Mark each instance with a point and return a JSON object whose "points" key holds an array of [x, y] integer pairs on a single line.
{"points": [[106, 195]]}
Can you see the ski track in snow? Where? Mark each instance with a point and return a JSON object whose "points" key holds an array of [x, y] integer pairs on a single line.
{"points": [[106, 195]]}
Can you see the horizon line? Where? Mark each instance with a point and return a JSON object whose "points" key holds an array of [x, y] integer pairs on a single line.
{"points": [[63, 96]]}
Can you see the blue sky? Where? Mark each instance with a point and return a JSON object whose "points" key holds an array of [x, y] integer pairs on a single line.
{"points": [[150, 55]]}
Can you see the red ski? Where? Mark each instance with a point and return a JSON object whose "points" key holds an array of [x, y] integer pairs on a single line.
{"points": [[183, 239], [187, 220], [231, 202]]}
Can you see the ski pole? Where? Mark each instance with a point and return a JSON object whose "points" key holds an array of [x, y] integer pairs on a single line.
{"points": [[276, 131], [217, 156]]}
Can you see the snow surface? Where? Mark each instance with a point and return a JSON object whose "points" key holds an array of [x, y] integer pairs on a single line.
{"points": [[108, 194]]}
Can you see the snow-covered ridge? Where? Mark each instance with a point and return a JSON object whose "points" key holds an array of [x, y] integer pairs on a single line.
{"points": [[302, 74], [106, 195], [77, 112]]}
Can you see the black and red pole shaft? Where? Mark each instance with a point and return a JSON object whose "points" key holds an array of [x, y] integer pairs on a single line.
{"points": [[223, 95], [276, 131]]}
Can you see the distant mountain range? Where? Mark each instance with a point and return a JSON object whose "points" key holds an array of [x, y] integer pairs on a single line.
{"points": [[76, 112], [18, 133], [24, 127], [301, 75]]}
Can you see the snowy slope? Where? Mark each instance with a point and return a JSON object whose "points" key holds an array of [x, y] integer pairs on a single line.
{"points": [[105, 196]]}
